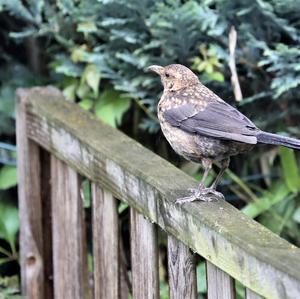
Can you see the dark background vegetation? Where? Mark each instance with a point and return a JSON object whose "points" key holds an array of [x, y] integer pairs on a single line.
{"points": [[97, 53]]}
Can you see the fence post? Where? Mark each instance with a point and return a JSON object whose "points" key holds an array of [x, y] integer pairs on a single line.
{"points": [[30, 207], [219, 284], [105, 244], [144, 257], [69, 255], [181, 269]]}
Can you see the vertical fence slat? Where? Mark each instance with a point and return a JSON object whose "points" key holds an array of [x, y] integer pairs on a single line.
{"points": [[105, 244], [68, 230], [30, 208], [181, 270], [219, 284], [47, 223], [252, 295], [144, 257]]}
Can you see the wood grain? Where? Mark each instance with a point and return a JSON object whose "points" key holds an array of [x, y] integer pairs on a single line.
{"points": [[219, 284], [181, 270], [105, 244], [252, 295], [68, 230], [217, 231], [30, 207], [144, 257]]}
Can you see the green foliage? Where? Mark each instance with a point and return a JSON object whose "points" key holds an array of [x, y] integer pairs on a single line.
{"points": [[9, 225], [208, 62], [86, 193], [111, 106], [201, 279], [283, 62], [277, 207], [9, 288], [290, 169], [8, 177], [163, 290], [276, 193], [97, 53]]}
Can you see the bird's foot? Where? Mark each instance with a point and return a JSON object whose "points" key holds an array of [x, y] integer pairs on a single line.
{"points": [[207, 191], [205, 194]]}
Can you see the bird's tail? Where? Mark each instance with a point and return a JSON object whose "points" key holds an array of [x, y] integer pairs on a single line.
{"points": [[269, 138]]}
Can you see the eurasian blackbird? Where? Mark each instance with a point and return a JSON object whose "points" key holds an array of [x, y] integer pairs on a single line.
{"points": [[201, 127]]}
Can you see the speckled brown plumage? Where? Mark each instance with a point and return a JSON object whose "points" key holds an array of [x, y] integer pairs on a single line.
{"points": [[203, 128]]}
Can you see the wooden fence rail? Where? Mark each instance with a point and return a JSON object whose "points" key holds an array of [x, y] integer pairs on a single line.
{"points": [[58, 143]]}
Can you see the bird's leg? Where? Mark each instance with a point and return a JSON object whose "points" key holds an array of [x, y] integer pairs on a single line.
{"points": [[198, 193], [212, 188], [201, 193], [207, 164], [224, 166]]}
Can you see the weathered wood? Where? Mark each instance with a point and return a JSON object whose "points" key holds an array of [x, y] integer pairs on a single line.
{"points": [[30, 207], [219, 284], [68, 226], [105, 244], [181, 270], [46, 223], [144, 257], [252, 295], [220, 233]]}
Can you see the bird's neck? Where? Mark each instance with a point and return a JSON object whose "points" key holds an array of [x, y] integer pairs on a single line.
{"points": [[177, 88]]}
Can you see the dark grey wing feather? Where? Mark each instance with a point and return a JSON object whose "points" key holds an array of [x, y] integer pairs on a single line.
{"points": [[217, 119]]}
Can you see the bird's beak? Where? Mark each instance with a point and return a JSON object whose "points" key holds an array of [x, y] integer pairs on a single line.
{"points": [[156, 69]]}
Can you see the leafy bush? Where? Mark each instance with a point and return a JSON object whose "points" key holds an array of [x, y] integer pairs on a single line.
{"points": [[97, 53]]}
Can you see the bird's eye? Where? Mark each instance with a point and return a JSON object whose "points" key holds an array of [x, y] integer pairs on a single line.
{"points": [[167, 75]]}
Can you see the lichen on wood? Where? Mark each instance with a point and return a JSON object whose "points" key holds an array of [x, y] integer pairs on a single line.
{"points": [[238, 245]]}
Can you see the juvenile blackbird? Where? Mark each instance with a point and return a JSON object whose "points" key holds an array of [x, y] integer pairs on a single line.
{"points": [[201, 127]]}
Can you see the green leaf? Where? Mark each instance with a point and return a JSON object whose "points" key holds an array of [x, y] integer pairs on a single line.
{"points": [[83, 91], [275, 194], [92, 77], [122, 207], [111, 106], [217, 76], [7, 102], [86, 104], [66, 6], [296, 215], [9, 223], [290, 169], [70, 92], [78, 53], [87, 27], [17, 9], [8, 177], [64, 65], [86, 192]]}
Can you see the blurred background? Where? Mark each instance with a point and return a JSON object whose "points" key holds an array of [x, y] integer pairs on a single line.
{"points": [[97, 53]]}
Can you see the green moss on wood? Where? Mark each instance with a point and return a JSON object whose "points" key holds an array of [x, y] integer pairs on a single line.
{"points": [[216, 230]]}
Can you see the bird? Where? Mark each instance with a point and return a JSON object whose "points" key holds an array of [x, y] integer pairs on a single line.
{"points": [[203, 128]]}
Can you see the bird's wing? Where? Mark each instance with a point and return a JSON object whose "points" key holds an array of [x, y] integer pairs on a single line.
{"points": [[218, 119]]}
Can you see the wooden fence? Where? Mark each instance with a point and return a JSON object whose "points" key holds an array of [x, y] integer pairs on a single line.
{"points": [[58, 143]]}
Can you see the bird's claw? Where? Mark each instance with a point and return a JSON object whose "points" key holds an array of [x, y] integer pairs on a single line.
{"points": [[217, 194], [192, 198], [202, 195]]}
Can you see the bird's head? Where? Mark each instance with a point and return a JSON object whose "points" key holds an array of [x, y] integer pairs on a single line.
{"points": [[175, 76]]}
